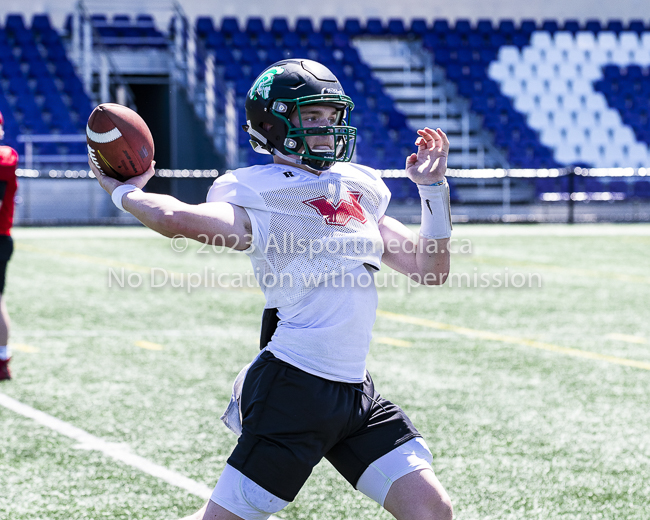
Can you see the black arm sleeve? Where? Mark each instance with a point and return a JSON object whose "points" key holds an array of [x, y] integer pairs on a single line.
{"points": [[3, 189]]}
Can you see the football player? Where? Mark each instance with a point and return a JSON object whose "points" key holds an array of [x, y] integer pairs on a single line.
{"points": [[314, 226], [8, 187]]}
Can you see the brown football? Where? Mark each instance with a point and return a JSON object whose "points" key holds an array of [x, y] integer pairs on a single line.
{"points": [[119, 141]]}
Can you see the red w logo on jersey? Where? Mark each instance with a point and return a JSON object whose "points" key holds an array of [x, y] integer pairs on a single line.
{"points": [[341, 213]]}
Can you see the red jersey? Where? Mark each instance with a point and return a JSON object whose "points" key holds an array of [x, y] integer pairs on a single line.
{"points": [[8, 162]]}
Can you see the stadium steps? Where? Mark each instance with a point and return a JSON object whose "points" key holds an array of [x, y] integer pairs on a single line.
{"points": [[422, 93]]}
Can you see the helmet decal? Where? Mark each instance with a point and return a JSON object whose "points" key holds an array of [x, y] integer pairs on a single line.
{"points": [[263, 84], [326, 90]]}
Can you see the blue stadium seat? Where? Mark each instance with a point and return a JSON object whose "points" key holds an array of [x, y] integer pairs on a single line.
{"points": [[612, 71], [463, 26], [240, 40], [204, 26], [550, 26], [224, 56], [279, 26], [54, 47], [484, 27], [249, 56], [477, 40], [634, 72], [10, 67], [15, 23], [396, 27], [304, 26], [464, 56], [275, 54], [18, 86], [315, 40], [328, 26], [38, 70], [254, 26], [594, 26], [30, 54], [352, 27], [121, 21], [229, 26], [291, 40], [351, 56], [98, 20], [419, 27], [64, 69], [572, 26], [145, 21], [215, 40], [507, 27], [441, 26], [340, 40], [453, 40], [527, 27], [374, 27], [637, 26], [265, 40], [41, 23], [615, 26]]}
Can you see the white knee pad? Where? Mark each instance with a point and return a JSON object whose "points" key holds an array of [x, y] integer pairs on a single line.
{"points": [[380, 475], [243, 497]]}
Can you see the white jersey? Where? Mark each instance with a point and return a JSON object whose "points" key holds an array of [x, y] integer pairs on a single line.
{"points": [[316, 243]]}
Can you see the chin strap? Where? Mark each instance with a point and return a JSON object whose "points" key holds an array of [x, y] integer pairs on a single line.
{"points": [[296, 160], [290, 158]]}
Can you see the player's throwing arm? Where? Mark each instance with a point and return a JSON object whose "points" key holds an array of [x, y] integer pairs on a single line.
{"points": [[120, 154]]}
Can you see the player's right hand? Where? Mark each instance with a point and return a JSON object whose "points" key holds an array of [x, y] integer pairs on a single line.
{"points": [[109, 184]]}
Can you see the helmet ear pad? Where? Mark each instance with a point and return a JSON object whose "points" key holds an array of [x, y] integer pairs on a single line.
{"points": [[272, 128], [275, 130]]}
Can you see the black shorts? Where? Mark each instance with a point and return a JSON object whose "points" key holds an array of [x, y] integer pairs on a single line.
{"points": [[6, 250], [292, 419]]}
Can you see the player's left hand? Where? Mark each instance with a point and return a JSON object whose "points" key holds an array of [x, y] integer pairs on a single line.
{"points": [[429, 164], [109, 184]]}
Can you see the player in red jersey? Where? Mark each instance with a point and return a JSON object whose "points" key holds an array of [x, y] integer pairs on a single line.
{"points": [[8, 187]]}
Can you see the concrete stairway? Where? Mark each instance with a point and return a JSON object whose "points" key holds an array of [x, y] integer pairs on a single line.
{"points": [[427, 98]]}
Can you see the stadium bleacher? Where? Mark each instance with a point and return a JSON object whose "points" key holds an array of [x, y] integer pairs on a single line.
{"points": [[40, 91], [243, 52], [542, 113], [123, 31], [550, 94], [466, 52], [568, 86]]}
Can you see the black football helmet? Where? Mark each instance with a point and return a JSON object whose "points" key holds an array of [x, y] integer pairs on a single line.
{"points": [[288, 86]]}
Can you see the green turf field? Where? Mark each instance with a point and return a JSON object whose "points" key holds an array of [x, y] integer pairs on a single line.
{"points": [[534, 400]]}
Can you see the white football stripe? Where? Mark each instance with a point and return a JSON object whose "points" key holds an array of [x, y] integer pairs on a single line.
{"points": [[105, 137], [116, 451]]}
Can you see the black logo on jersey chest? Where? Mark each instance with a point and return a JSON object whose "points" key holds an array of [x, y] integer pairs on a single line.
{"points": [[288, 174]]}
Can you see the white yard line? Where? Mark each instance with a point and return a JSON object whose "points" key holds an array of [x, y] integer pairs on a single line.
{"points": [[116, 451]]}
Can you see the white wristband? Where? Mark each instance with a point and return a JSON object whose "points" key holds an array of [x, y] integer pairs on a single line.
{"points": [[119, 192], [436, 211]]}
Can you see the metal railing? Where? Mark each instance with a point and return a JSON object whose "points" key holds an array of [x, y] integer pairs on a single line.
{"points": [[32, 159], [213, 100], [101, 77]]}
